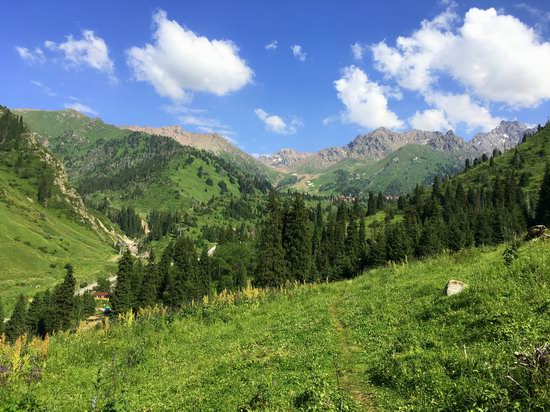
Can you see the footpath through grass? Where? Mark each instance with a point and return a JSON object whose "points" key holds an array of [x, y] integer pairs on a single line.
{"points": [[387, 340]]}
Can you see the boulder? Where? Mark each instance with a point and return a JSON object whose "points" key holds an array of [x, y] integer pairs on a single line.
{"points": [[454, 287], [536, 231]]}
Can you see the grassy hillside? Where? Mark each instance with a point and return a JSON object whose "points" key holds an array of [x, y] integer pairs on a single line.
{"points": [[38, 237], [398, 173], [387, 340], [130, 168], [528, 166]]}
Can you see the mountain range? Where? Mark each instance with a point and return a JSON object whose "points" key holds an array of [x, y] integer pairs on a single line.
{"points": [[381, 142]]}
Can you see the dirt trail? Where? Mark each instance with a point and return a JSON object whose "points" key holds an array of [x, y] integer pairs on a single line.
{"points": [[347, 376]]}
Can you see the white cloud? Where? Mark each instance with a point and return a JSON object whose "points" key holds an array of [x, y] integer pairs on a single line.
{"points": [[47, 90], [31, 56], [181, 61], [431, 119], [459, 108], [82, 108], [272, 45], [276, 124], [90, 50], [298, 52], [366, 104], [495, 57], [357, 50]]}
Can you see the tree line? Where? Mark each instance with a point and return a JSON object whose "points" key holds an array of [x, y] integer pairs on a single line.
{"points": [[50, 311]]}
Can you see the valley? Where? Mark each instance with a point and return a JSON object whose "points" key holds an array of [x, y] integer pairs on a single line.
{"points": [[254, 206]]}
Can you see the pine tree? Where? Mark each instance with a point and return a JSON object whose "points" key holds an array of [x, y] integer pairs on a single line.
{"points": [[17, 325], [64, 300], [148, 292], [271, 269], [44, 190], [185, 285], [398, 245], [35, 314], [377, 255], [543, 207], [122, 294], [371, 204], [297, 240]]}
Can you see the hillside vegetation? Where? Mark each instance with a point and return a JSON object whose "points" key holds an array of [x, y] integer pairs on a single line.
{"points": [[388, 340], [115, 169], [396, 174], [44, 223]]}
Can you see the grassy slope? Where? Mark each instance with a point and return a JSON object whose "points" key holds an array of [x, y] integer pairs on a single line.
{"points": [[177, 187], [36, 242], [533, 152], [388, 340], [398, 173]]}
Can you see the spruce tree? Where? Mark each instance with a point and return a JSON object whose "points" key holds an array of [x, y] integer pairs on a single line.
{"points": [[297, 240], [35, 314], [543, 207], [17, 325], [64, 300], [371, 204], [398, 245], [148, 291], [122, 298], [271, 269]]}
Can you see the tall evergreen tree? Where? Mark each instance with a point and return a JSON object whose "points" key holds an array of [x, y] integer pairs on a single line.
{"points": [[122, 294], [17, 325], [148, 291], [297, 240], [543, 207], [64, 300], [272, 269]]}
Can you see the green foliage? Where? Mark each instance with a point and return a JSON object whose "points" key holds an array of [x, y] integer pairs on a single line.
{"points": [[396, 174], [543, 208], [17, 324], [510, 253], [387, 340], [123, 294]]}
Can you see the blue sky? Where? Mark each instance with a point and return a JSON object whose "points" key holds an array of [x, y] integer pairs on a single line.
{"points": [[274, 74]]}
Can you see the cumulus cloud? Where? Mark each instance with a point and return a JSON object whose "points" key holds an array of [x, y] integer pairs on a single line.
{"points": [[357, 50], [495, 57], [298, 52], [365, 102], [272, 45], [460, 108], [276, 124], [82, 108], [31, 56], [90, 50], [181, 61], [431, 119]]}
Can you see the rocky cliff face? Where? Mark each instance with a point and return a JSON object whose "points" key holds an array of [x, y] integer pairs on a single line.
{"points": [[504, 137]]}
